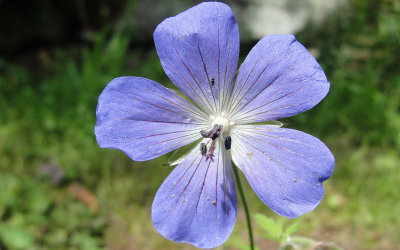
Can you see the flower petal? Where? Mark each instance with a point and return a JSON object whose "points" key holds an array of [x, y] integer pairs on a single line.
{"points": [[197, 203], [279, 78], [199, 51], [144, 119], [285, 167]]}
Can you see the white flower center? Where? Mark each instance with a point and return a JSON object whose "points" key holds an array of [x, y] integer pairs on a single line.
{"points": [[220, 120]]}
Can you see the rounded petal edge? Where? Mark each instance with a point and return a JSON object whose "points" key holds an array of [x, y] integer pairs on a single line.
{"points": [[285, 167], [197, 203], [199, 51], [279, 78], [144, 119]]}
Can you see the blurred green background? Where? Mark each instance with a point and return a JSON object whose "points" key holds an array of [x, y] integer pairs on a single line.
{"points": [[59, 190]]}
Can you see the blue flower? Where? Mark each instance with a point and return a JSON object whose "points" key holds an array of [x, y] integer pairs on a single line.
{"points": [[199, 51]]}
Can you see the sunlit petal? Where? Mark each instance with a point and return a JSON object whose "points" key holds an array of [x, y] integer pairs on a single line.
{"points": [[278, 79], [199, 51], [144, 119], [285, 167], [197, 203]]}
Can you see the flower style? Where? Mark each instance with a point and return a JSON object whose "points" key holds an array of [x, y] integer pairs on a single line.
{"points": [[199, 51]]}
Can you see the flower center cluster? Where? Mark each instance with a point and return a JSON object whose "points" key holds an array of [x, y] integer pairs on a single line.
{"points": [[221, 120], [220, 129]]}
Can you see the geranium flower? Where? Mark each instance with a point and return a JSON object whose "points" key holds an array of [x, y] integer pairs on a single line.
{"points": [[199, 49]]}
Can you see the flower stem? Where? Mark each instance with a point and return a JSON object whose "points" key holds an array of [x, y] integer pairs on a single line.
{"points": [[246, 208]]}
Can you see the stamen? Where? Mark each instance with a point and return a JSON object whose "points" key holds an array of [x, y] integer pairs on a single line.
{"points": [[228, 142], [214, 133], [203, 149], [218, 127], [205, 134]]}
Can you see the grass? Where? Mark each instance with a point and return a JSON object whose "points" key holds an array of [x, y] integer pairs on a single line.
{"points": [[103, 199]]}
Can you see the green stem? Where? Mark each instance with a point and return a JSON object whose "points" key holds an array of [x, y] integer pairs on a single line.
{"points": [[246, 208]]}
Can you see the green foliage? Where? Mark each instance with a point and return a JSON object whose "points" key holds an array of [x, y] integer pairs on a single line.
{"points": [[52, 121], [357, 47], [33, 216], [274, 229]]}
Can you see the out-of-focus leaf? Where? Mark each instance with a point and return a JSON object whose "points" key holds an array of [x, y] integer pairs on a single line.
{"points": [[15, 237], [85, 241], [290, 229], [273, 228], [37, 201], [8, 188], [57, 237], [389, 25]]}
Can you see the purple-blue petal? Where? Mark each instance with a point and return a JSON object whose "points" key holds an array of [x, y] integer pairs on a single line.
{"points": [[197, 203], [285, 167], [278, 79], [144, 119], [199, 51]]}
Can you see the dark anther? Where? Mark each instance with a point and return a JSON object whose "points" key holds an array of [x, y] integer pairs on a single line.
{"points": [[228, 142], [212, 81], [203, 149], [213, 133], [218, 127], [204, 133]]}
